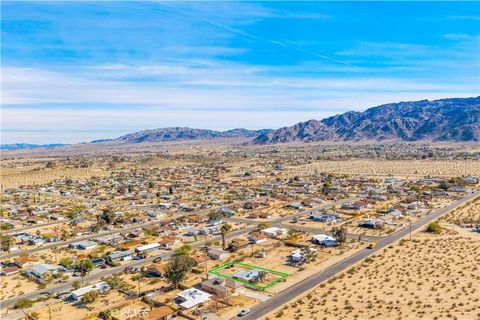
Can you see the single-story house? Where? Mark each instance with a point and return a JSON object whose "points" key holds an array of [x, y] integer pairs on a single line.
{"points": [[217, 253], [39, 270], [161, 313], [274, 231], [372, 223], [248, 275], [296, 206], [83, 245], [200, 259], [168, 242], [148, 247], [101, 287], [98, 262], [324, 217], [7, 271], [190, 298], [216, 286], [123, 255], [324, 240], [299, 255], [237, 243], [155, 270], [257, 238]]}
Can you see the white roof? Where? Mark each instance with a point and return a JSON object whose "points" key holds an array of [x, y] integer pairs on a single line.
{"points": [[323, 237], [41, 268], [148, 247], [298, 253], [192, 297], [102, 285], [274, 230]]}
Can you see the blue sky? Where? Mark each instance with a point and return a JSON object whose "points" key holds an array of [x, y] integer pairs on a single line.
{"points": [[78, 71]]}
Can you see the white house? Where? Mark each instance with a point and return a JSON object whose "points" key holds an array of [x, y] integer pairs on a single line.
{"points": [[217, 253], [148, 247], [100, 287], [39, 270], [298, 255], [83, 245], [191, 297], [324, 240], [274, 231]]}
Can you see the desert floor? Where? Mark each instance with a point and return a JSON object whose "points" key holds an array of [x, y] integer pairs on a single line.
{"points": [[430, 277], [409, 168]]}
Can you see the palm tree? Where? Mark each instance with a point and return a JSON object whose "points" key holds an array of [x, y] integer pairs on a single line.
{"points": [[224, 230]]}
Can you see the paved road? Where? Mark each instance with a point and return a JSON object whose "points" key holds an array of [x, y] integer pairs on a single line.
{"points": [[298, 226], [108, 272], [309, 283], [49, 245]]}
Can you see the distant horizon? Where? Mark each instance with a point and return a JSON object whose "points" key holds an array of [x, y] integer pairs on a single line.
{"points": [[76, 71], [219, 130]]}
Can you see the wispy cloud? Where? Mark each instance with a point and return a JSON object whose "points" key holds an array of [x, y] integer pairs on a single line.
{"points": [[462, 37], [464, 17], [222, 64]]}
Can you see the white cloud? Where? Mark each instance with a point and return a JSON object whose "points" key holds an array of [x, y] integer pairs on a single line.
{"points": [[204, 94]]}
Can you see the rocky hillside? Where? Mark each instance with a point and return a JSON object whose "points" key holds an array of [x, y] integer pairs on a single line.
{"points": [[456, 119], [182, 133]]}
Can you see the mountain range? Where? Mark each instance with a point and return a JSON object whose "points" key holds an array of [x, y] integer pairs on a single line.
{"points": [[455, 119], [23, 146], [183, 133]]}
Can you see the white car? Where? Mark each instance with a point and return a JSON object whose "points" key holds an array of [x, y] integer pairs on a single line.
{"points": [[244, 312]]}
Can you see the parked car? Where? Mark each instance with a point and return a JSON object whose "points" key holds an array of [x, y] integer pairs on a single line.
{"points": [[244, 312]]}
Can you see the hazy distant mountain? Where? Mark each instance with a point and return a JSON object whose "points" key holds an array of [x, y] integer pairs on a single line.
{"points": [[456, 119], [182, 133], [22, 146]]}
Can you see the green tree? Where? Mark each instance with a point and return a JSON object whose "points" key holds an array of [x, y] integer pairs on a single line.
{"points": [[177, 269], [76, 285], [7, 242], [116, 283], [263, 225], [327, 186], [90, 297], [184, 250], [215, 216], [85, 267], [434, 227], [340, 235], [105, 314], [224, 230], [23, 304], [108, 215]]}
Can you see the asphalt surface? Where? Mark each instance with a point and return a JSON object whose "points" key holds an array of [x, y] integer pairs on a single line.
{"points": [[299, 288]]}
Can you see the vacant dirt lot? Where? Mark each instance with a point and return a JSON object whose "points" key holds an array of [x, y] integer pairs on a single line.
{"points": [[428, 278], [372, 167], [468, 214]]}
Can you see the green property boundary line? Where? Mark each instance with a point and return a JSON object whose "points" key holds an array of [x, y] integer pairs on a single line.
{"points": [[282, 275]]}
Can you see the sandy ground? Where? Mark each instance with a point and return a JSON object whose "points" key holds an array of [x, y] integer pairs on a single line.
{"points": [[430, 277], [468, 214], [38, 174], [411, 168]]}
